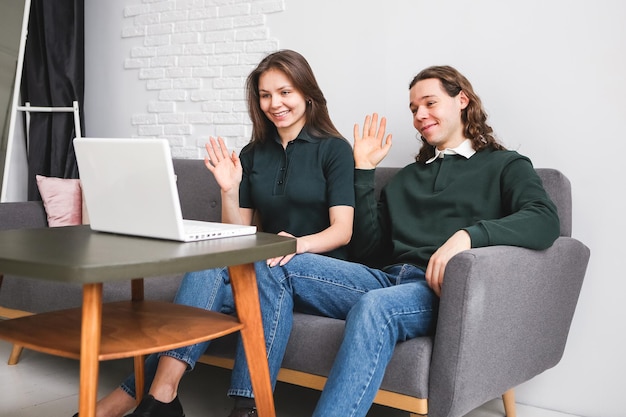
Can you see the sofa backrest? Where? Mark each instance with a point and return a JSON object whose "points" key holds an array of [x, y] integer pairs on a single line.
{"points": [[198, 191], [559, 189], [200, 194]]}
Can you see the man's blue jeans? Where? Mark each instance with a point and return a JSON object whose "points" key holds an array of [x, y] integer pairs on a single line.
{"points": [[381, 307]]}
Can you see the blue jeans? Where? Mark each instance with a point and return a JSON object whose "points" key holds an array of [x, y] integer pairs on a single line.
{"points": [[405, 308], [211, 290], [378, 314]]}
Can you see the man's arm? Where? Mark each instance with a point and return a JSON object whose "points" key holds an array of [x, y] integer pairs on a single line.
{"points": [[370, 148], [533, 221]]}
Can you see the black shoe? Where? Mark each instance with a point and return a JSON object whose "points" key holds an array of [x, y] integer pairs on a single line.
{"points": [[243, 412], [151, 407]]}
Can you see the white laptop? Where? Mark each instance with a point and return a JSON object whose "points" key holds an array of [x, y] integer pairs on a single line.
{"points": [[129, 188]]}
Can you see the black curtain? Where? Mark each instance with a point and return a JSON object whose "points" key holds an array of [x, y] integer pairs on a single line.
{"points": [[53, 76]]}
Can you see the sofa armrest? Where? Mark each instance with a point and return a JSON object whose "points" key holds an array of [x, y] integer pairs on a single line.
{"points": [[504, 317], [23, 214]]}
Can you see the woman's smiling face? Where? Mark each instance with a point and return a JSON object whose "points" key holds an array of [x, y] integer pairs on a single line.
{"points": [[283, 104]]}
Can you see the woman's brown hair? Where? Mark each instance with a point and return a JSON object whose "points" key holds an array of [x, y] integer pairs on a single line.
{"points": [[299, 72]]}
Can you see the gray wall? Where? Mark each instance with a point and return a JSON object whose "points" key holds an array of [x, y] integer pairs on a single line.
{"points": [[549, 73]]}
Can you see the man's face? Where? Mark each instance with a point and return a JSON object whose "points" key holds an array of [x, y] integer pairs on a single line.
{"points": [[436, 115]]}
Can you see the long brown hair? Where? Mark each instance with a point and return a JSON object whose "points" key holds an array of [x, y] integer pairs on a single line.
{"points": [[473, 116], [299, 72]]}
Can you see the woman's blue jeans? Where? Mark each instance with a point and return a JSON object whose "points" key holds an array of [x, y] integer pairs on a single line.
{"points": [[381, 307], [211, 290]]}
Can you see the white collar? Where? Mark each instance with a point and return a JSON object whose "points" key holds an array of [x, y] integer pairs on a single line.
{"points": [[464, 149]]}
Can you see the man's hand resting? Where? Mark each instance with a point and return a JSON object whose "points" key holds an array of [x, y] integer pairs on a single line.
{"points": [[458, 242]]}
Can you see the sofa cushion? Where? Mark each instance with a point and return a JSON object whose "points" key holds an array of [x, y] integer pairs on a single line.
{"points": [[63, 200], [315, 340]]}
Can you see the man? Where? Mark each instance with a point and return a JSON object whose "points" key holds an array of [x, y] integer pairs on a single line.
{"points": [[464, 191]]}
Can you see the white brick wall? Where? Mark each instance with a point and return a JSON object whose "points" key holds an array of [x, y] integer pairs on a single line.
{"points": [[193, 57]]}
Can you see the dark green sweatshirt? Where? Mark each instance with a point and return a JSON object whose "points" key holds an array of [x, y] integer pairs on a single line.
{"points": [[496, 196]]}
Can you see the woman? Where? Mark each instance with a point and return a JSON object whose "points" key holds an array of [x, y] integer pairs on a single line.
{"points": [[296, 177]]}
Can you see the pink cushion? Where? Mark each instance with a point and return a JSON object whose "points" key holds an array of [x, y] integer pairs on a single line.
{"points": [[62, 199]]}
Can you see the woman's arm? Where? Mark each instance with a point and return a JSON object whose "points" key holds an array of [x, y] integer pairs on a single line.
{"points": [[227, 170], [334, 236], [231, 212]]}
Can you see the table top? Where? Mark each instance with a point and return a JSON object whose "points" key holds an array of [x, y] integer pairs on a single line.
{"points": [[78, 254]]}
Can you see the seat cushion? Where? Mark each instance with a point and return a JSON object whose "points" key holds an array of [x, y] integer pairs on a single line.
{"points": [[314, 343]]}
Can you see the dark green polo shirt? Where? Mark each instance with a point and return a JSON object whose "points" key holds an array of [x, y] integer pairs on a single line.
{"points": [[293, 188]]}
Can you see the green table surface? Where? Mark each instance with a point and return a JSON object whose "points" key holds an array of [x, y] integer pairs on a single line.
{"points": [[78, 254]]}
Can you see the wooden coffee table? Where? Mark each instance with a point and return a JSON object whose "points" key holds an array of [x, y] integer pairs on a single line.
{"points": [[137, 327]]}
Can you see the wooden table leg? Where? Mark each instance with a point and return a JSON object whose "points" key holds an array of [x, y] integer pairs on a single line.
{"points": [[246, 294], [140, 377], [136, 289], [90, 334], [137, 294]]}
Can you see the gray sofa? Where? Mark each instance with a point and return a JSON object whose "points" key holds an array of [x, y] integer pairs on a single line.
{"points": [[504, 317]]}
